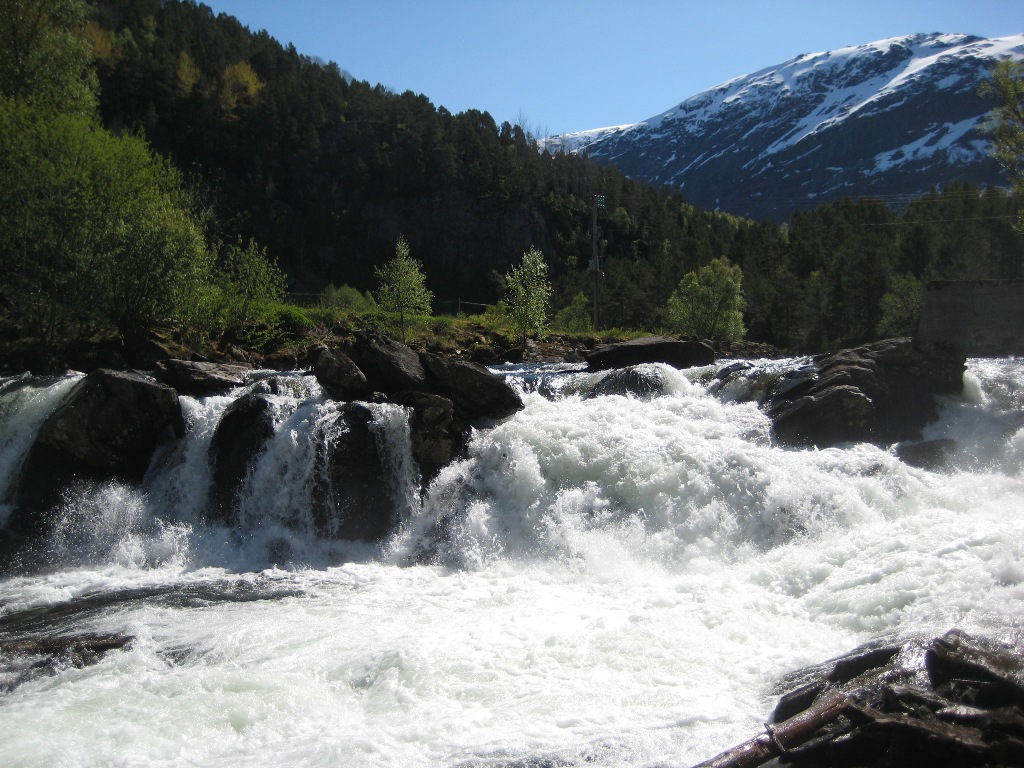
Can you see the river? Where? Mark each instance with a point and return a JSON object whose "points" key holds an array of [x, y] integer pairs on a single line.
{"points": [[608, 581]]}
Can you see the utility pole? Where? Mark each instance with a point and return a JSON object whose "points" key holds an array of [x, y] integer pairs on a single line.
{"points": [[595, 261]]}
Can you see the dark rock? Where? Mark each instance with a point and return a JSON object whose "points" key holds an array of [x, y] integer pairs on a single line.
{"points": [[26, 659], [338, 375], [643, 382], [437, 439], [930, 454], [882, 393], [356, 502], [242, 434], [107, 427], [651, 349], [476, 392], [951, 701], [389, 365], [201, 378]]}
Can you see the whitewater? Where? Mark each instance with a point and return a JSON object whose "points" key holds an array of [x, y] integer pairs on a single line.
{"points": [[609, 581]]}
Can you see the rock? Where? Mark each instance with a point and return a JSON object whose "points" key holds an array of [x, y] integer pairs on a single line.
{"points": [[950, 701], [651, 349], [437, 438], [881, 393], [643, 382], [201, 378], [340, 378], [475, 391], [389, 365], [930, 454], [356, 503], [242, 434], [107, 427]]}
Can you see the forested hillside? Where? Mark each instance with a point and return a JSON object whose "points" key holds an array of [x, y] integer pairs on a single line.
{"points": [[326, 172], [163, 163]]}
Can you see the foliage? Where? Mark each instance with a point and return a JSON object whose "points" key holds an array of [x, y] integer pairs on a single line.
{"points": [[901, 307], [1007, 123], [527, 295], [402, 286], [709, 303], [251, 288], [97, 228], [346, 299], [45, 55], [576, 316]]}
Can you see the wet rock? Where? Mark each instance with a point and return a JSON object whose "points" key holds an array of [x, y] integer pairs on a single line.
{"points": [[950, 701], [651, 349], [475, 391], [339, 376], [642, 382], [201, 378], [107, 427], [437, 438], [882, 393], [29, 658], [241, 435], [356, 501]]}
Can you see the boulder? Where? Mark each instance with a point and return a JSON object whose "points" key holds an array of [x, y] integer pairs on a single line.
{"points": [[241, 435], [475, 391], [651, 349], [389, 365], [643, 382], [340, 378], [356, 501], [201, 378], [929, 454], [107, 427], [882, 393]]}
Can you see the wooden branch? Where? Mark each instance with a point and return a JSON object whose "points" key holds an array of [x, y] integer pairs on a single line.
{"points": [[781, 737]]}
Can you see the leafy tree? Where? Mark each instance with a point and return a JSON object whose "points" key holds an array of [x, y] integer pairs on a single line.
{"points": [[576, 317], [98, 229], [1007, 124], [45, 55], [402, 286], [709, 303], [346, 299], [250, 285], [527, 295]]}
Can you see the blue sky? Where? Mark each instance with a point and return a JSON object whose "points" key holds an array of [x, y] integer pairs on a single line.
{"points": [[566, 65]]}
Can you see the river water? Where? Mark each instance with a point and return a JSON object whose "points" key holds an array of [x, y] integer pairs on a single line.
{"points": [[608, 581]]}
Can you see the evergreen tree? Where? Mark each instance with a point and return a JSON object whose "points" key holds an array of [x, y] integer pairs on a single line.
{"points": [[402, 290], [1007, 126]]}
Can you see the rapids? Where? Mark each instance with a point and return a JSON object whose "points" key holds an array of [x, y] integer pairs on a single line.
{"points": [[610, 581]]}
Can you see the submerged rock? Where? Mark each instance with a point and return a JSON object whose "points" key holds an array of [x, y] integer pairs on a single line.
{"points": [[639, 381]]}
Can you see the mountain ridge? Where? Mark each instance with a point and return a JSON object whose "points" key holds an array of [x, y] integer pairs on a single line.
{"points": [[888, 119]]}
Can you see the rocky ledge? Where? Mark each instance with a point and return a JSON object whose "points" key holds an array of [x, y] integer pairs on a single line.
{"points": [[955, 701]]}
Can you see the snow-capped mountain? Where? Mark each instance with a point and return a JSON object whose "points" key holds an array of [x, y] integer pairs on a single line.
{"points": [[888, 119]]}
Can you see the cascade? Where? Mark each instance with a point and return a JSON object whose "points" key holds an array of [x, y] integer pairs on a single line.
{"points": [[619, 574]]}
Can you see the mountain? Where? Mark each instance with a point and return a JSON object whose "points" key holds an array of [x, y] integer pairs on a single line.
{"points": [[889, 119]]}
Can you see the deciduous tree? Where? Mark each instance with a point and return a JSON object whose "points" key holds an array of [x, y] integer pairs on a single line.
{"points": [[709, 303], [402, 287], [527, 295]]}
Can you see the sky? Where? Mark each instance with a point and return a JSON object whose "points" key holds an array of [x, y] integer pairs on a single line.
{"points": [[556, 66]]}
